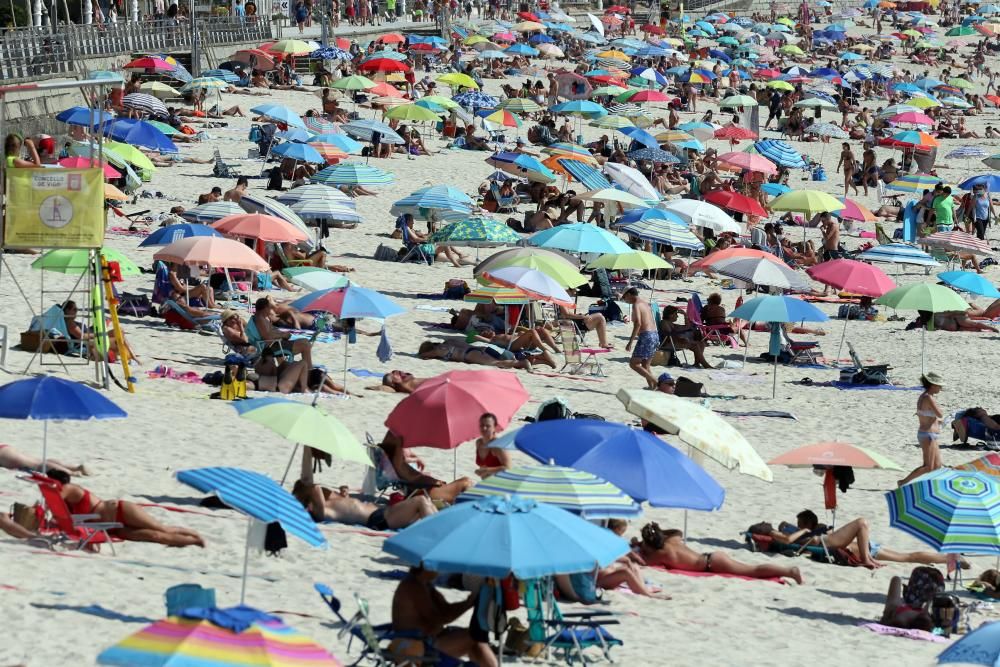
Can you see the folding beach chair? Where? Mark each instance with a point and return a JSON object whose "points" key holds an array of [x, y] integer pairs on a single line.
{"points": [[873, 374], [717, 334], [222, 169], [508, 203], [414, 250], [85, 529], [884, 196], [175, 314], [277, 346], [577, 358], [570, 633]]}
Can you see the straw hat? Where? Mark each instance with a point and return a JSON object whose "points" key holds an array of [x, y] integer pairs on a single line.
{"points": [[228, 313], [933, 378]]}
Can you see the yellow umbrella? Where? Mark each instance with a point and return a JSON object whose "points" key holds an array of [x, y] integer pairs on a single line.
{"points": [[111, 192], [922, 102], [295, 47], [639, 260], [699, 427], [395, 77], [472, 40], [614, 55], [158, 89], [458, 80], [780, 85], [132, 154]]}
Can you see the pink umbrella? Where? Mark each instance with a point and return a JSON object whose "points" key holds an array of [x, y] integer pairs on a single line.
{"points": [[266, 228], [854, 277], [650, 96], [444, 411], [214, 251], [749, 161], [854, 211], [504, 37], [912, 117], [86, 163]]}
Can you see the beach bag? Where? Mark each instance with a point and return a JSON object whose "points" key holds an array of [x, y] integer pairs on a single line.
{"points": [[384, 253], [137, 305], [946, 613], [554, 408], [924, 584], [275, 539], [688, 388]]}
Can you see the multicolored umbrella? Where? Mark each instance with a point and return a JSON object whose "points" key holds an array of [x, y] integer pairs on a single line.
{"points": [[504, 118], [988, 464], [218, 638], [349, 302], [476, 232], [959, 242], [954, 511], [913, 183], [575, 491], [502, 296], [534, 283], [552, 263]]}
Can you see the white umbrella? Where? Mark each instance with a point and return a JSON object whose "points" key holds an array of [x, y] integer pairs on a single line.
{"points": [[760, 271], [703, 214], [632, 180]]}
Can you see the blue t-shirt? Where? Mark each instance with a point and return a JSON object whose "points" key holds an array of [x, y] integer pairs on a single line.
{"points": [[982, 204]]}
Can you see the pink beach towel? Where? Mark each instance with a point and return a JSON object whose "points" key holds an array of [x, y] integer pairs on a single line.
{"points": [[687, 573], [920, 635]]}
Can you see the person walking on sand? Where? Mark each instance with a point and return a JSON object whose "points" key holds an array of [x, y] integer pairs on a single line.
{"points": [[644, 335], [929, 417]]}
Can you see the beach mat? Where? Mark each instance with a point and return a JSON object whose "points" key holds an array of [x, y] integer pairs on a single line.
{"points": [[777, 414], [307, 334], [888, 630], [688, 573], [365, 373]]}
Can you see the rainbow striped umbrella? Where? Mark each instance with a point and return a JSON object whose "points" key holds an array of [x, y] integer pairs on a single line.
{"points": [[573, 490], [502, 296], [913, 183], [987, 465], [218, 638], [504, 118], [954, 511]]}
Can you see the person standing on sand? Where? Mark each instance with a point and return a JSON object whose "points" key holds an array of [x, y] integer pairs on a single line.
{"points": [[929, 417], [831, 236], [644, 335]]}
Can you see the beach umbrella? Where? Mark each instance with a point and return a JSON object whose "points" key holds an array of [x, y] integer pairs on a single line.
{"points": [[967, 152], [212, 251], [299, 153], [989, 181], [256, 58], [206, 637], [330, 153], [351, 302], [340, 141], [738, 101], [827, 130], [953, 511], [499, 536], [852, 276], [474, 99], [444, 411], [257, 496], [279, 114], [958, 242], [434, 201], [897, 253], [913, 138], [365, 129], [777, 310], [87, 163], [562, 268], [145, 103], [655, 155], [327, 209], [735, 201], [827, 455], [77, 261], [159, 89], [520, 105], [317, 279], [504, 118], [503, 296], [807, 202], [576, 491], [614, 196], [781, 153], [702, 214], [967, 281], [639, 463], [698, 427], [748, 161], [319, 125], [47, 398], [629, 179], [926, 297], [915, 183], [458, 80], [912, 118], [170, 233], [759, 271], [638, 260], [536, 284], [524, 166], [579, 238], [211, 212], [351, 174], [261, 227], [979, 647], [306, 425], [353, 82], [255, 203], [85, 117], [663, 231], [854, 211], [475, 232], [412, 112]]}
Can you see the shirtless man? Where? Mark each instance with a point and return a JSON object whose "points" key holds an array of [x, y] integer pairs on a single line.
{"points": [[399, 382], [667, 548], [264, 318], [419, 607], [323, 503], [393, 447], [644, 335], [236, 194], [831, 236]]}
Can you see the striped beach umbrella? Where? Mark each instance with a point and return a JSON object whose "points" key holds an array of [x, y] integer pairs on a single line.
{"points": [[329, 152], [218, 638], [590, 176], [573, 490], [967, 152], [827, 130], [313, 191], [781, 153], [353, 174], [212, 212], [954, 511], [657, 155], [145, 103], [341, 141], [476, 232], [987, 465], [663, 231], [205, 83], [913, 183], [502, 296], [520, 105], [327, 209], [365, 129], [257, 203], [319, 125], [504, 118], [958, 242], [612, 122], [897, 253]]}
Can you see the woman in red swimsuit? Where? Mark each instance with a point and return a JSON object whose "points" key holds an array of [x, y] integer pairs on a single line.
{"points": [[137, 524], [489, 460]]}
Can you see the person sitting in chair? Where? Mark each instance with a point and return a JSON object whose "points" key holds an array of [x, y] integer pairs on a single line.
{"points": [[682, 337], [975, 423]]}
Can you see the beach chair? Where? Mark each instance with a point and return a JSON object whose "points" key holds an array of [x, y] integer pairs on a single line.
{"points": [[85, 529], [767, 544], [222, 169], [569, 633], [184, 596], [277, 345], [415, 250], [881, 236], [382, 476], [175, 314], [873, 374], [575, 357], [884, 196], [717, 334], [508, 203]]}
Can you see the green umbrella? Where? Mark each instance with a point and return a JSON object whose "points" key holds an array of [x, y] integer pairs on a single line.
{"points": [[735, 101], [612, 122], [550, 263], [76, 261], [355, 82], [163, 127], [927, 297], [808, 202], [443, 101], [958, 82], [306, 425], [476, 232], [520, 105], [639, 260], [412, 112], [961, 31]]}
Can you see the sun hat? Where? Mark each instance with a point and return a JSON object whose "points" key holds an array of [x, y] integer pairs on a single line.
{"points": [[228, 313], [933, 378]]}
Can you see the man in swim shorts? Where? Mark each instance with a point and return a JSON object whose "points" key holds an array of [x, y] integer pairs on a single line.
{"points": [[644, 335]]}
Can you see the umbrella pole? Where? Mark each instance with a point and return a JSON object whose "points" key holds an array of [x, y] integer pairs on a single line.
{"points": [[454, 463], [843, 335], [246, 560], [345, 360], [774, 379], [746, 346], [288, 467], [923, 346], [45, 443]]}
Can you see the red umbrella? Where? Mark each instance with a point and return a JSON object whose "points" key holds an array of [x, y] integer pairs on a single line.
{"points": [[444, 411], [384, 65], [261, 60], [652, 29], [735, 133], [730, 253], [85, 163], [342, 43], [150, 62], [993, 98], [267, 228], [423, 47], [734, 201], [616, 9], [650, 96], [385, 90], [748, 161], [391, 38], [528, 16], [767, 73]]}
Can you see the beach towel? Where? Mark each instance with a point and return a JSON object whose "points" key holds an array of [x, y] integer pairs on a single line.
{"points": [[920, 635], [687, 573], [307, 334], [169, 373], [384, 351], [845, 386], [433, 309], [777, 414], [365, 373]]}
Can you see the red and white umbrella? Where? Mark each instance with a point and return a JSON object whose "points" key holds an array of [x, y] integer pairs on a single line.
{"points": [[958, 242]]}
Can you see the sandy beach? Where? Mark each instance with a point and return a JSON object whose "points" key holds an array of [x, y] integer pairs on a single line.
{"points": [[64, 607]]}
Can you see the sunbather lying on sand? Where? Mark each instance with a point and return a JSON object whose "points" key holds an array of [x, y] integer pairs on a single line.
{"points": [[324, 503], [808, 530], [15, 460], [625, 570], [137, 524], [393, 447], [462, 352], [667, 548], [398, 382]]}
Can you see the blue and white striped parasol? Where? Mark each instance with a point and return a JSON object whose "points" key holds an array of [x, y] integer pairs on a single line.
{"points": [[212, 212], [327, 209], [145, 103], [780, 153], [353, 174], [474, 99], [663, 231], [590, 177], [256, 203], [897, 253]]}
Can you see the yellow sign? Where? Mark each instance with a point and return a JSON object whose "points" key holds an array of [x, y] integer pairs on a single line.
{"points": [[54, 208]]}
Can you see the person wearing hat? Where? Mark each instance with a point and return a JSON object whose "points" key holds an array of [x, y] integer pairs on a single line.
{"points": [[666, 383], [929, 417]]}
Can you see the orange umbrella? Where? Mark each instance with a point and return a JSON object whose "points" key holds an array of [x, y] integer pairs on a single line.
{"points": [[385, 90], [259, 226]]}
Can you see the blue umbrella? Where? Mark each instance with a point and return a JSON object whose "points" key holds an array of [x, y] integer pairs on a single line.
{"points": [[224, 74], [349, 173], [474, 99], [497, 536], [365, 129], [591, 177], [579, 237], [433, 200], [775, 189], [640, 213], [349, 302], [637, 462], [897, 253], [257, 496], [580, 107], [295, 134], [341, 141], [968, 281], [979, 647], [141, 133], [781, 153], [654, 155], [46, 397], [521, 50], [641, 136], [299, 153], [990, 181], [540, 39], [650, 74], [279, 113], [663, 231], [522, 165], [82, 116], [170, 233]]}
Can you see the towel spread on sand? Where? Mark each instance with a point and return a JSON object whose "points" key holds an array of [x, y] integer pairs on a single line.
{"points": [[844, 386], [688, 573], [365, 373], [921, 635], [433, 309], [306, 334]]}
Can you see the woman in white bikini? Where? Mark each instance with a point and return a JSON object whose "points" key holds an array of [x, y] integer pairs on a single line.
{"points": [[929, 430]]}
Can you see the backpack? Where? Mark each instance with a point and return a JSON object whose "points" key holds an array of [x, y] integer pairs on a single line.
{"points": [[554, 408], [924, 585], [688, 388], [946, 613]]}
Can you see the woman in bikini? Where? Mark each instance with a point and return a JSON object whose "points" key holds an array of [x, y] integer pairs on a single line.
{"points": [[137, 524], [929, 416], [847, 160], [667, 549], [489, 460]]}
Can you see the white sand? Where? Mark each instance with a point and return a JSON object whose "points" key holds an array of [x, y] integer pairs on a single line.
{"points": [[62, 609]]}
